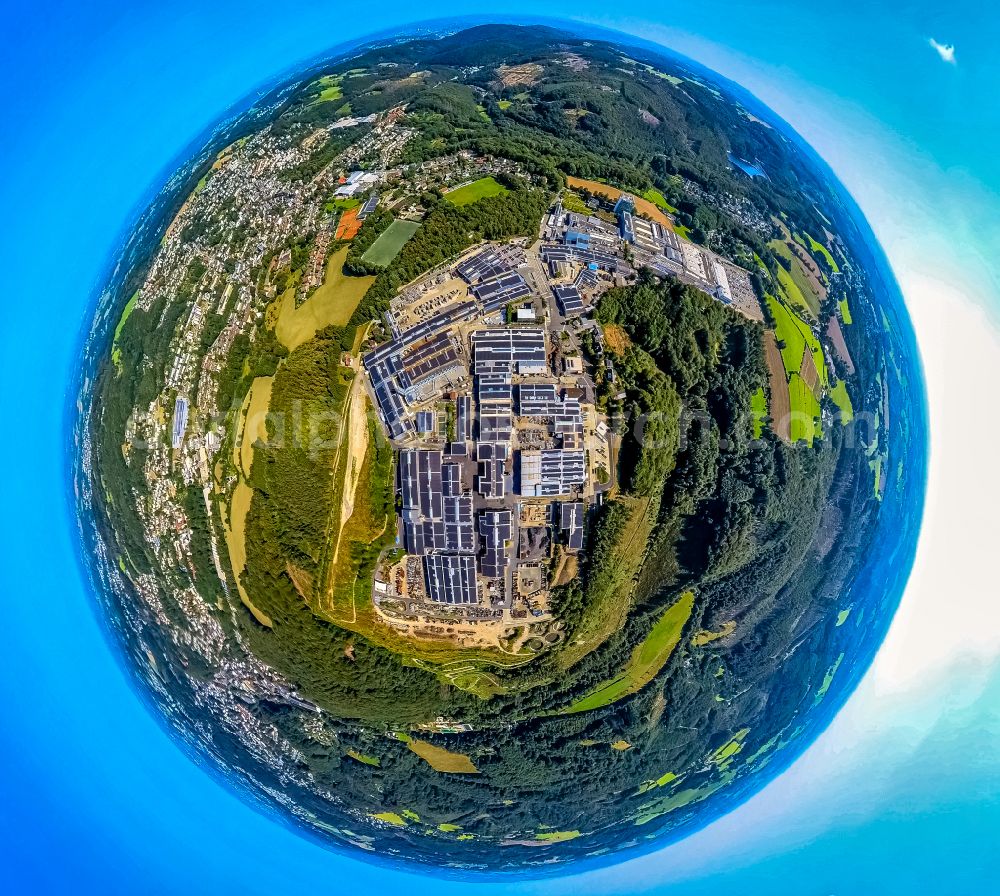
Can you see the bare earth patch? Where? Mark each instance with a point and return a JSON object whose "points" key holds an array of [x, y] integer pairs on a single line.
{"points": [[515, 75]]}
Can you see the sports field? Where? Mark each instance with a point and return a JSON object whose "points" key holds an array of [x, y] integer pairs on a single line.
{"points": [[349, 225], [646, 660], [478, 189], [389, 242]]}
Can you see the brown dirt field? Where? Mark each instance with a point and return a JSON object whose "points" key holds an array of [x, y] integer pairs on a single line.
{"points": [[567, 570], [348, 226], [513, 75], [780, 406], [616, 339], [356, 447], [643, 206], [442, 760], [836, 336], [809, 373]]}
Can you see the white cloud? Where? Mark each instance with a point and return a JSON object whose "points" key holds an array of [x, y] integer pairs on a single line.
{"points": [[945, 51]]}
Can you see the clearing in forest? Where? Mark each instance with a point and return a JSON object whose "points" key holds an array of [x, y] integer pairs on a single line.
{"points": [[646, 661]]}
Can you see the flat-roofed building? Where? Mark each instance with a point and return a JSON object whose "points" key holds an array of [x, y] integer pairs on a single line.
{"points": [[569, 299], [451, 578], [482, 265], [491, 482], [510, 350], [537, 399], [501, 290], [496, 528], [571, 524], [552, 472]]}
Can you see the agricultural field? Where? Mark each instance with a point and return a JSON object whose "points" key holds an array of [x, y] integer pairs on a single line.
{"points": [[389, 242], [805, 411], [610, 597], [647, 659], [802, 286], [818, 248], [116, 355], [440, 759], [333, 302], [842, 400], [845, 311], [478, 189], [328, 89]]}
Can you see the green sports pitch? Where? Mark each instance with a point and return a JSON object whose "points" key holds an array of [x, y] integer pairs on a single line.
{"points": [[389, 242], [478, 189]]}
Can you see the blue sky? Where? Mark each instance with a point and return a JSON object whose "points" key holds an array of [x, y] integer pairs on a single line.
{"points": [[903, 791]]}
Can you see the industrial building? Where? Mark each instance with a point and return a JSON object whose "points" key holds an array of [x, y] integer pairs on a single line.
{"points": [[571, 524], [509, 351], [552, 472]]}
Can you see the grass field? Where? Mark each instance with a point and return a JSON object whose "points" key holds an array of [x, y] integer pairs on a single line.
{"points": [[608, 606], [703, 637], [658, 199], [796, 283], [573, 203], [843, 401], [365, 759], [478, 189], [328, 89], [389, 242], [646, 660], [845, 311], [332, 303], [796, 336], [758, 404], [504, 104], [820, 249], [116, 355], [804, 410], [255, 421], [442, 760]]}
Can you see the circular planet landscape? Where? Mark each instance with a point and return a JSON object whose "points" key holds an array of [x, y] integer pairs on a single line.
{"points": [[499, 447]]}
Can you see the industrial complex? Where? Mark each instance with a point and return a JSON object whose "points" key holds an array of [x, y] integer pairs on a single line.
{"points": [[503, 452]]}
